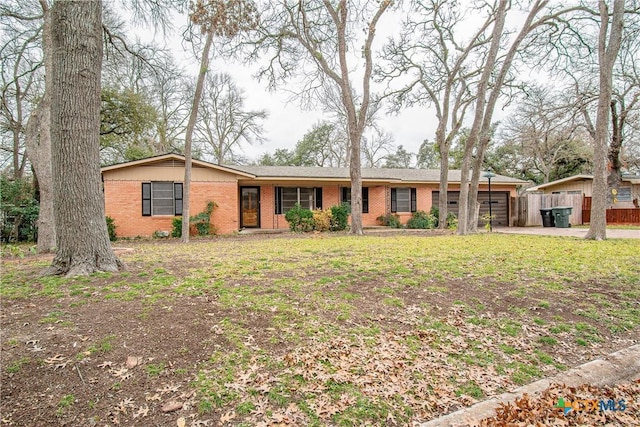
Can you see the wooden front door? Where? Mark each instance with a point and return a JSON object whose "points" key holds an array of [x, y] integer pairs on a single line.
{"points": [[250, 207]]}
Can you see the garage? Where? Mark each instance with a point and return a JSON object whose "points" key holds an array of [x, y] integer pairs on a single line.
{"points": [[499, 205]]}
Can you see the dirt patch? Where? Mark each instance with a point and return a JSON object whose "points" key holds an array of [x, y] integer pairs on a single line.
{"points": [[276, 347]]}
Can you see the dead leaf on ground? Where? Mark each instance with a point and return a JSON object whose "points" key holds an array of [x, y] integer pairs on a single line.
{"points": [[171, 406], [132, 361]]}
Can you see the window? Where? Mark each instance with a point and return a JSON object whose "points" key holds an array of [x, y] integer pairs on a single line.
{"points": [[403, 200], [161, 198], [287, 197], [346, 197], [624, 194]]}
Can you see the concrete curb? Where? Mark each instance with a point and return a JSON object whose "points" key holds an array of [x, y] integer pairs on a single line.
{"points": [[623, 365]]}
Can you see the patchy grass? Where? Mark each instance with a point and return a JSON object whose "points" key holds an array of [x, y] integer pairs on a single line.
{"points": [[315, 330]]}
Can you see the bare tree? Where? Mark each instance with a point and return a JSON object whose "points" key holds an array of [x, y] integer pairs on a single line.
{"points": [[376, 146], [225, 124], [442, 67], [495, 74], [546, 137], [326, 44], [75, 129], [31, 20], [625, 105], [20, 69], [582, 67], [215, 18], [609, 41]]}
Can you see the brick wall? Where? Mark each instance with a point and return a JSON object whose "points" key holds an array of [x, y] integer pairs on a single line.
{"points": [[123, 203]]}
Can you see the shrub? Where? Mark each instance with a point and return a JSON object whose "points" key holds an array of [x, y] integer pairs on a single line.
{"points": [[299, 219], [390, 220], [340, 217], [111, 228], [452, 219], [199, 225], [486, 218], [176, 227], [422, 220], [19, 211], [322, 220]]}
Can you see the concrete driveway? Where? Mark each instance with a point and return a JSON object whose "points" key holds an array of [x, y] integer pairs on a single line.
{"points": [[612, 233]]}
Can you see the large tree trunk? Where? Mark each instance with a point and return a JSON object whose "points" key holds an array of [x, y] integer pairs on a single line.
{"points": [[607, 53], [38, 144], [82, 238], [204, 65]]}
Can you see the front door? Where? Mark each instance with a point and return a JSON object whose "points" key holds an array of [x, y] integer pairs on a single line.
{"points": [[250, 207]]}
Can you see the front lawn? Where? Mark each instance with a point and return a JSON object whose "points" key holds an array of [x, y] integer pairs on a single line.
{"points": [[309, 330]]}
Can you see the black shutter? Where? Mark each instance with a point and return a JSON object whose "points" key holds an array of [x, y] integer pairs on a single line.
{"points": [[394, 200], [319, 198], [365, 199], [345, 198], [278, 198], [414, 204], [177, 197], [146, 199]]}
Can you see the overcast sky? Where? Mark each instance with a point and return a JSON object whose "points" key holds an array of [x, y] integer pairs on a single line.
{"points": [[288, 122]]}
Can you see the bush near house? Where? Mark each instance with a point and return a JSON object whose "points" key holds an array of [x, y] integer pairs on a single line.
{"points": [[299, 219], [422, 220], [199, 225], [340, 217], [390, 220], [452, 219], [322, 219], [19, 210], [111, 228], [304, 220]]}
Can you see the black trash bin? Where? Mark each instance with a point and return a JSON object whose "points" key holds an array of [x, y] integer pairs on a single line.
{"points": [[547, 217]]}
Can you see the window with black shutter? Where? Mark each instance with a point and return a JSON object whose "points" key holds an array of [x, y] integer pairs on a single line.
{"points": [[278, 198], [414, 204], [394, 200], [346, 197], [177, 194], [161, 198], [403, 199], [319, 198], [146, 199]]}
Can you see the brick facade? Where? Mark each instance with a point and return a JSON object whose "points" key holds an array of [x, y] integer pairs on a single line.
{"points": [[123, 193], [123, 203]]}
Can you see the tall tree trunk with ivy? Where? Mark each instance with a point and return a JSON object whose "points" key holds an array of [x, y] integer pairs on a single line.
{"points": [[204, 65], [83, 245]]}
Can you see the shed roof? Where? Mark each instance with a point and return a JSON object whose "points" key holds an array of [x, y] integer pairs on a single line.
{"points": [[633, 179]]}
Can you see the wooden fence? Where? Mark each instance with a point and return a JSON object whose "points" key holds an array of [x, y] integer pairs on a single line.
{"points": [[614, 216], [526, 209]]}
